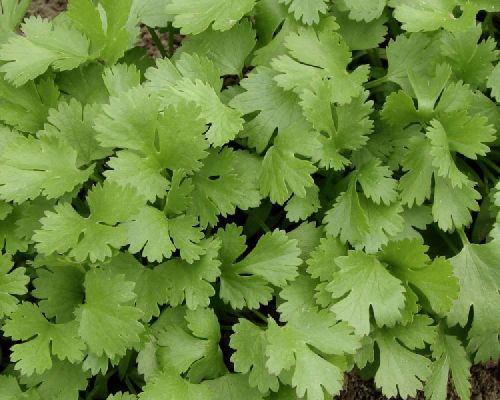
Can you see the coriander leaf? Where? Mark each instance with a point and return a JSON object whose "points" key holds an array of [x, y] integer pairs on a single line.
{"points": [[149, 283], [26, 108], [283, 173], [346, 127], [377, 182], [65, 231], [321, 263], [49, 386], [494, 82], [121, 396], [249, 342], [232, 387], [420, 15], [408, 261], [13, 282], [192, 283], [417, 52], [189, 343], [46, 340], [228, 50], [360, 10], [149, 231], [246, 283], [227, 180], [11, 14], [452, 208], [221, 15], [298, 297], [471, 62], [179, 388], [107, 323], [44, 44], [308, 11], [59, 289], [120, 78], [10, 390], [401, 370], [476, 268], [300, 208], [450, 356], [416, 183], [319, 54], [294, 346], [72, 123], [33, 167], [363, 284], [361, 35], [277, 108]]}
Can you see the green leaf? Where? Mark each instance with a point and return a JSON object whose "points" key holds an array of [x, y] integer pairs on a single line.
{"points": [[420, 15], [42, 340], [494, 82], [291, 347], [107, 323], [450, 356], [49, 383], [250, 342], [247, 282], [476, 267], [44, 44], [64, 231], [226, 181], [317, 54], [471, 62], [283, 172], [72, 123], [402, 370], [228, 50], [33, 167], [362, 285], [59, 289], [308, 12], [149, 283], [10, 390], [192, 283], [26, 108], [408, 261], [13, 282], [177, 387], [221, 15], [360, 10], [277, 109], [189, 343]]}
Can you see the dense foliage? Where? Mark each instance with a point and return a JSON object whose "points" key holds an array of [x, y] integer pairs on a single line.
{"points": [[300, 189]]}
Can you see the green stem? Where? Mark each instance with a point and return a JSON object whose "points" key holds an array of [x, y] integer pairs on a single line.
{"points": [[375, 58], [376, 82], [157, 42], [492, 165], [463, 237], [260, 315], [170, 30], [486, 172], [447, 240]]}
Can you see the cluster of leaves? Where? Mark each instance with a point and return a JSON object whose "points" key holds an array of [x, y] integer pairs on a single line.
{"points": [[302, 188]]}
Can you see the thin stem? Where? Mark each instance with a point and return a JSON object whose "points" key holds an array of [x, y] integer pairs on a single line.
{"points": [[170, 30], [375, 58], [447, 240], [260, 315], [463, 237], [492, 165], [376, 82], [486, 172], [157, 42]]}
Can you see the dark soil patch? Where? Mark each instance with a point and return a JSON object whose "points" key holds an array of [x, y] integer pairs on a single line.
{"points": [[485, 377]]}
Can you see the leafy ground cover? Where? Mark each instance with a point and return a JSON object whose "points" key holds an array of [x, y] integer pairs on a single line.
{"points": [[296, 192]]}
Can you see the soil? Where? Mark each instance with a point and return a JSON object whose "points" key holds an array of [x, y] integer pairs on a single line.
{"points": [[485, 377]]}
